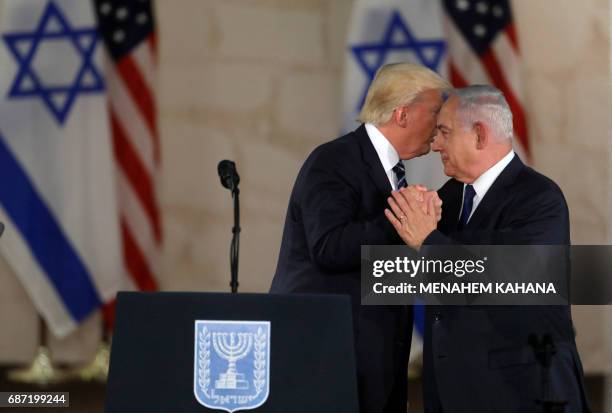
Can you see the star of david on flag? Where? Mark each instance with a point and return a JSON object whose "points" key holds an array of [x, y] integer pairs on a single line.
{"points": [[397, 38], [392, 31], [54, 39]]}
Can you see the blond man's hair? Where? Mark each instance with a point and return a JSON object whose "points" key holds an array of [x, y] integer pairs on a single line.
{"points": [[396, 85]]}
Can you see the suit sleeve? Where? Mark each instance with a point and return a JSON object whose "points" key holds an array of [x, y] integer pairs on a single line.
{"points": [[330, 209]]}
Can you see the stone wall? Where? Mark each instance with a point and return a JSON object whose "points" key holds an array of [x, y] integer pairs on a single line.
{"points": [[261, 85], [259, 82], [567, 88]]}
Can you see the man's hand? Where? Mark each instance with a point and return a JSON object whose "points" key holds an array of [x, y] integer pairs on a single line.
{"points": [[422, 194], [413, 215]]}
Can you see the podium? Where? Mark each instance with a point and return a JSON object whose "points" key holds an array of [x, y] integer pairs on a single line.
{"points": [[201, 352]]}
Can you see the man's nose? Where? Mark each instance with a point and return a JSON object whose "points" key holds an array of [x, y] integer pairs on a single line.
{"points": [[435, 145]]}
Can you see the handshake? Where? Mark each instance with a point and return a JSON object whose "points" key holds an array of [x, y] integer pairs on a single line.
{"points": [[414, 213]]}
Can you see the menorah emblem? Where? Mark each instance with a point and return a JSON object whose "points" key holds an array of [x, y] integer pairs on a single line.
{"points": [[232, 347], [231, 364]]}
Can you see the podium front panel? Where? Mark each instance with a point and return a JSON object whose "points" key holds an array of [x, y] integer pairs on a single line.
{"points": [[301, 346]]}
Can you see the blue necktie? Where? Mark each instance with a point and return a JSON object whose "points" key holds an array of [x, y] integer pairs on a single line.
{"points": [[468, 202], [400, 173]]}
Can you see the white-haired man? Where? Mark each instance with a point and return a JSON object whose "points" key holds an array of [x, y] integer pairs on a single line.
{"points": [[337, 205], [481, 359]]}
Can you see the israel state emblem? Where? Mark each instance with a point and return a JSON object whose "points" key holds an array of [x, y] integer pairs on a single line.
{"points": [[231, 366]]}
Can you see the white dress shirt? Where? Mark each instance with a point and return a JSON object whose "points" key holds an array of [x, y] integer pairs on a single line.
{"points": [[483, 182], [386, 152]]}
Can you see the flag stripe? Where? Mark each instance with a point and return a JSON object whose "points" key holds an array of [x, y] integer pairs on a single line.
{"points": [[38, 285], [141, 95], [509, 64], [455, 76], [136, 174], [136, 219], [512, 36], [152, 42], [520, 129], [136, 262], [464, 58], [128, 115], [143, 59], [48, 243]]}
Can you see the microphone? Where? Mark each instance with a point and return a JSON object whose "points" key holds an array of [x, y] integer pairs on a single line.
{"points": [[228, 175]]}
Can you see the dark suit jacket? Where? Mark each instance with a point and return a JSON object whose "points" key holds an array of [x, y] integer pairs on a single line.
{"points": [[337, 205], [476, 358]]}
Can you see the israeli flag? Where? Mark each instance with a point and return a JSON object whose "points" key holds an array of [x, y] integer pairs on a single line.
{"points": [[57, 196], [392, 31], [231, 367]]}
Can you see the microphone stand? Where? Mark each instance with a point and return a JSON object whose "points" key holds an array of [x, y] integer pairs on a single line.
{"points": [[235, 245], [230, 180]]}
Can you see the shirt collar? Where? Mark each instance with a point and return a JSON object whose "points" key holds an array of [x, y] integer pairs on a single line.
{"points": [[483, 182], [386, 152]]}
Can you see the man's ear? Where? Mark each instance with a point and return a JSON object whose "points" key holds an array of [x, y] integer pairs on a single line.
{"points": [[482, 136], [401, 116]]}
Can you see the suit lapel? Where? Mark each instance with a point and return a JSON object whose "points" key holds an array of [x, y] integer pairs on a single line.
{"points": [[371, 159], [496, 193]]}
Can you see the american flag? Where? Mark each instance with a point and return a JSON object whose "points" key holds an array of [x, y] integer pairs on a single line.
{"points": [[128, 30], [483, 49]]}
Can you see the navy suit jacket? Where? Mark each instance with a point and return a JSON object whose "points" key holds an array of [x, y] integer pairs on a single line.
{"points": [[477, 358], [336, 206]]}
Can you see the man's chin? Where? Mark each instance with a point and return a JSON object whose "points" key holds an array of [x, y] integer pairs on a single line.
{"points": [[425, 150], [447, 171]]}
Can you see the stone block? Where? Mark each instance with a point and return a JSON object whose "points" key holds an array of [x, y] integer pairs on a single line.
{"points": [[234, 88], [198, 259], [547, 46], [260, 244], [337, 23], [185, 31], [269, 171], [248, 31], [590, 323], [588, 111], [575, 168], [20, 325], [547, 120], [19, 320], [308, 105], [191, 153]]}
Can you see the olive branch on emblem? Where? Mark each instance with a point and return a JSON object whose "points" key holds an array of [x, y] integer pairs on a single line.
{"points": [[259, 361], [204, 361]]}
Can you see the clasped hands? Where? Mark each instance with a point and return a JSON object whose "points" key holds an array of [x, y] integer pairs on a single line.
{"points": [[415, 212]]}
